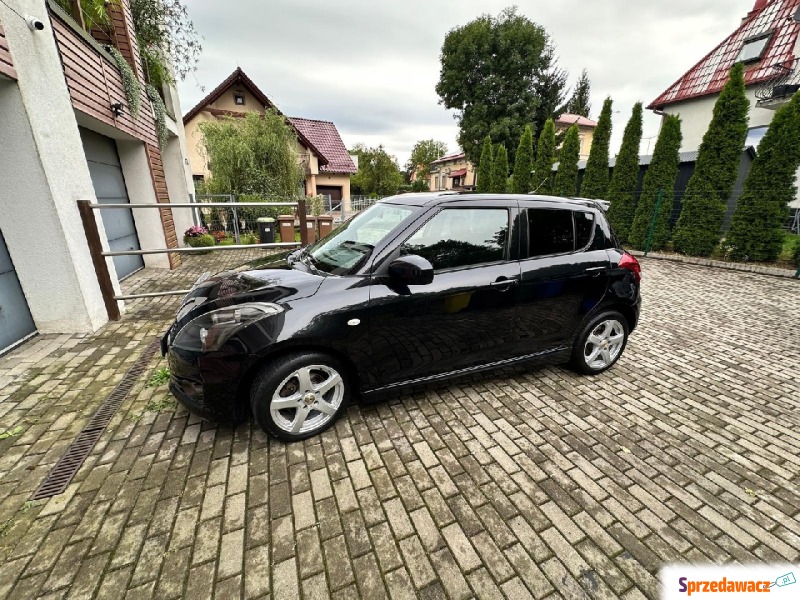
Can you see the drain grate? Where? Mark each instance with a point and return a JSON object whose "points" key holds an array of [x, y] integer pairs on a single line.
{"points": [[62, 473]]}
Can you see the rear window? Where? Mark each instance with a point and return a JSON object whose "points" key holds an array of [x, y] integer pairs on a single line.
{"points": [[584, 228], [557, 231]]}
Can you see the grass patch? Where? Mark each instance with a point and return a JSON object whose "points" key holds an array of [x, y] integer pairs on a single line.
{"points": [[157, 405], [12, 432], [160, 377]]}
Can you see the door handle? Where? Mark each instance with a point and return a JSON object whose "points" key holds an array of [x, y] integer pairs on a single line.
{"points": [[595, 271], [596, 268], [503, 283]]}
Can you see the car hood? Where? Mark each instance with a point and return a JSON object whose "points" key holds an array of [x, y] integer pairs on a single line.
{"points": [[273, 281]]}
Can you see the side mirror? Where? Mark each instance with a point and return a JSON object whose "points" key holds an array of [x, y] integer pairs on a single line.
{"points": [[411, 270]]}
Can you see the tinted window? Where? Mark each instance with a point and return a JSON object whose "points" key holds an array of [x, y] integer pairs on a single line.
{"points": [[457, 237], [584, 227], [550, 231]]}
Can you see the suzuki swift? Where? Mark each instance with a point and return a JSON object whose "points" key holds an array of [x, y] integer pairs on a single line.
{"points": [[417, 288]]}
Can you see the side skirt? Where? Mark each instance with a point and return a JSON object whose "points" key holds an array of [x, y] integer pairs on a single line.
{"points": [[536, 357]]}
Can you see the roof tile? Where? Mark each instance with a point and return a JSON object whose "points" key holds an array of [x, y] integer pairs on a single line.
{"points": [[324, 135]]}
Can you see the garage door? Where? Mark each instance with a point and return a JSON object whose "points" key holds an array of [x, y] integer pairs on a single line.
{"points": [[109, 187], [15, 317]]}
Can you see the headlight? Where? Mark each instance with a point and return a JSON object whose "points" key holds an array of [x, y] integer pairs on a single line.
{"points": [[210, 331]]}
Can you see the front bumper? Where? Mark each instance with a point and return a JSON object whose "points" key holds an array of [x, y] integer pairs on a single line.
{"points": [[207, 384]]}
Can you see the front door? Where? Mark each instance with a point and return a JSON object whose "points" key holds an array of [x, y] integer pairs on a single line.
{"points": [[16, 322], [464, 317], [109, 187]]}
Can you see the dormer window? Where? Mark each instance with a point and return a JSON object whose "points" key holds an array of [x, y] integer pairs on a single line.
{"points": [[238, 98], [753, 49]]}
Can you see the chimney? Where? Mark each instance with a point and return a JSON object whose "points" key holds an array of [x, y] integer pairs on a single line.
{"points": [[757, 7]]}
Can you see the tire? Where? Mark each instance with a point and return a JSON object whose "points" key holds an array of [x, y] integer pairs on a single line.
{"points": [[600, 343], [313, 387]]}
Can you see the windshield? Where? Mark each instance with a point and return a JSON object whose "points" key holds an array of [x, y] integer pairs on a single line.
{"points": [[348, 247]]}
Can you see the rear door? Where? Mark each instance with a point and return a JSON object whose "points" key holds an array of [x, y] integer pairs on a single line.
{"points": [[563, 275], [465, 316]]}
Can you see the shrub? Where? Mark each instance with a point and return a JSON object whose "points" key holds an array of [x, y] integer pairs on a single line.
{"points": [[756, 231], [484, 184], [595, 177], [625, 178], [659, 179], [219, 236], [249, 238], [200, 241], [705, 202]]}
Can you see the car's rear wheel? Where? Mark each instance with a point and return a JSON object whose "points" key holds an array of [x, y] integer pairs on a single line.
{"points": [[298, 396], [600, 343]]}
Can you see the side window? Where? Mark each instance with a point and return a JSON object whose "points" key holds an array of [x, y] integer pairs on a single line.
{"points": [[458, 237], [550, 231], [584, 227]]}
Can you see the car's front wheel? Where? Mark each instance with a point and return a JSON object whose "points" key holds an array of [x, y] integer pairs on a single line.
{"points": [[299, 395], [600, 343]]}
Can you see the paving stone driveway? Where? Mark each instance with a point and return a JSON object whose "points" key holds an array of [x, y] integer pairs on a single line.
{"points": [[528, 482]]}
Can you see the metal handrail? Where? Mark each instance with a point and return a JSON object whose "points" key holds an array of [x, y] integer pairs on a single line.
{"points": [[201, 249], [165, 205], [99, 256]]}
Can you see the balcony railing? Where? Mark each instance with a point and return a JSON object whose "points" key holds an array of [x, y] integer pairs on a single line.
{"points": [[778, 90]]}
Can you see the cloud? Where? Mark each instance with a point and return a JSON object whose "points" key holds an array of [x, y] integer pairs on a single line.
{"points": [[371, 67]]}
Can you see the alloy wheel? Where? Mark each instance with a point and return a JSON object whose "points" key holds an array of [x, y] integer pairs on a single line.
{"points": [[307, 399], [604, 344]]}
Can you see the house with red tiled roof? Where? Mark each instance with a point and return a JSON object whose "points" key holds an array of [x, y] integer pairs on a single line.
{"points": [[586, 129], [452, 172], [766, 41], [320, 149]]}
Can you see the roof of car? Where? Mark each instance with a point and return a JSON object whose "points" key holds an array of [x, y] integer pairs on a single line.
{"points": [[433, 198]]}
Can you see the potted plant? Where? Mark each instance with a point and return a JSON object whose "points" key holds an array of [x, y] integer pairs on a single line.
{"points": [[198, 237]]}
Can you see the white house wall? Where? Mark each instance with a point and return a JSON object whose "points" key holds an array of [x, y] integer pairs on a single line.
{"points": [[696, 115], [42, 176]]}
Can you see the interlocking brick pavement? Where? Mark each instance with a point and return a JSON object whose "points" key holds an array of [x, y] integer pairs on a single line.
{"points": [[529, 482]]}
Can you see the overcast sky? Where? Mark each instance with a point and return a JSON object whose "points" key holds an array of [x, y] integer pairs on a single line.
{"points": [[371, 66]]}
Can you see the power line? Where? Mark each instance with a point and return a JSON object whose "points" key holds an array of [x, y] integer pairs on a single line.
{"points": [[13, 10]]}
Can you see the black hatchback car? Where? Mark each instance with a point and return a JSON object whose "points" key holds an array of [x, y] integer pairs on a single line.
{"points": [[416, 288]]}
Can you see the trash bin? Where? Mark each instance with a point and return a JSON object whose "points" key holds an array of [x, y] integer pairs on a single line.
{"points": [[325, 225], [286, 223], [266, 230], [311, 227]]}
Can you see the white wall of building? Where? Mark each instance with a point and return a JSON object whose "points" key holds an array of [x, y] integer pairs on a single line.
{"points": [[42, 176], [696, 115]]}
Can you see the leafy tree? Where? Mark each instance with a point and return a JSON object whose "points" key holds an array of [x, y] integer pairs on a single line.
{"points": [[660, 178], [484, 184], [550, 88], [578, 103], [756, 228], [494, 73], [500, 171], [545, 157], [625, 178], [705, 202], [378, 172], [523, 162], [566, 183], [252, 155], [422, 155], [595, 177], [165, 34]]}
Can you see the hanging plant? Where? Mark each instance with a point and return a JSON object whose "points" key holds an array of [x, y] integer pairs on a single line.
{"points": [[131, 84], [160, 112]]}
